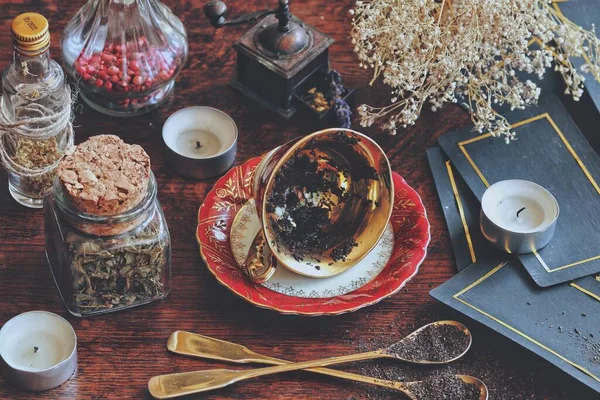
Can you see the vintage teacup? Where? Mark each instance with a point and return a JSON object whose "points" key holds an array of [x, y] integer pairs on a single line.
{"points": [[323, 220]]}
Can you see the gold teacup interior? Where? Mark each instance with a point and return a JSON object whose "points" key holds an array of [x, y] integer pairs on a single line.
{"points": [[328, 203]]}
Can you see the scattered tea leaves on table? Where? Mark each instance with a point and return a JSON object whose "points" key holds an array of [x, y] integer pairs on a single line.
{"points": [[445, 388]]}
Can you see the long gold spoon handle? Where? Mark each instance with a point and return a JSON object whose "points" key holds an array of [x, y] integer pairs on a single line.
{"points": [[174, 385], [195, 345]]}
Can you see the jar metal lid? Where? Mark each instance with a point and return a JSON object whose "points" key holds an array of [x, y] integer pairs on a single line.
{"points": [[30, 33]]}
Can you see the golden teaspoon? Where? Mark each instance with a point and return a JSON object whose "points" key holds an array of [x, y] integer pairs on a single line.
{"points": [[186, 383], [186, 343], [195, 345]]}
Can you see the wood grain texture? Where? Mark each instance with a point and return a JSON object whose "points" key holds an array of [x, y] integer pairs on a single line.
{"points": [[119, 352]]}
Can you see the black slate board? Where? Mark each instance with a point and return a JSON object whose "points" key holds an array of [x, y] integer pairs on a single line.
{"points": [[561, 323], [550, 151], [461, 211]]}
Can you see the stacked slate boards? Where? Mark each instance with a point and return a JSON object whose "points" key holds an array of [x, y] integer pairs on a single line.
{"points": [[560, 323]]}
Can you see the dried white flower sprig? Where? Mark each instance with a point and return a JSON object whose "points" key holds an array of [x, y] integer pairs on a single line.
{"points": [[438, 51]]}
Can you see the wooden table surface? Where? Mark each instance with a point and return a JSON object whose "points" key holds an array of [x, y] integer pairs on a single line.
{"points": [[119, 352]]}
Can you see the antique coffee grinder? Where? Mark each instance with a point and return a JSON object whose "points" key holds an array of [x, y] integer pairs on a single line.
{"points": [[275, 56]]}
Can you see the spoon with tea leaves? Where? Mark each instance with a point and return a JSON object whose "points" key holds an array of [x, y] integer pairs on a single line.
{"points": [[169, 386]]}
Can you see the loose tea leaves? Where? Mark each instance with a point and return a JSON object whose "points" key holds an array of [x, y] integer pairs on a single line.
{"points": [[118, 272], [445, 388], [433, 343], [302, 199]]}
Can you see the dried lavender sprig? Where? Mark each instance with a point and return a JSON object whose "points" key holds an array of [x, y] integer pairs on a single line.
{"points": [[335, 94]]}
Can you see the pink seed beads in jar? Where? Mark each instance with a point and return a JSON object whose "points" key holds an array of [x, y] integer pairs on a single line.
{"points": [[113, 70], [129, 67]]}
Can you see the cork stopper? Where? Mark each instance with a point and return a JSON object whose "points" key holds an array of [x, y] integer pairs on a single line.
{"points": [[104, 175], [30, 33]]}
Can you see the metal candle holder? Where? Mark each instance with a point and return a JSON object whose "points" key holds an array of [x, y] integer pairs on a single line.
{"points": [[518, 216], [275, 56]]}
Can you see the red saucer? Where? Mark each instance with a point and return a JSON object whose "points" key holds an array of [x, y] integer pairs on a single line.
{"points": [[411, 237]]}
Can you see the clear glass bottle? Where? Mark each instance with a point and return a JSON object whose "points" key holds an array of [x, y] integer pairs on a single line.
{"points": [[103, 264], [31, 72], [125, 54]]}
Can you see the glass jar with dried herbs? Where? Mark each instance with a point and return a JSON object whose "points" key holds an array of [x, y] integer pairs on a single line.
{"points": [[35, 115], [104, 261], [107, 263]]}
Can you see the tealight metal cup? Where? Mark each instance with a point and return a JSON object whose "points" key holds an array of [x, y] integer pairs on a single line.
{"points": [[38, 334], [515, 241], [209, 119]]}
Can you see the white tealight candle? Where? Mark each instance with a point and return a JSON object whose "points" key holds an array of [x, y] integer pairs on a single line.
{"points": [[35, 351], [518, 216], [39, 350], [198, 143], [201, 142]]}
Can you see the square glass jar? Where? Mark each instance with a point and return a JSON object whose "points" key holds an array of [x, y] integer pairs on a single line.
{"points": [[103, 264]]}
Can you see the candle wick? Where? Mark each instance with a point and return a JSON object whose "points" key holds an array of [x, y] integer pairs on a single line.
{"points": [[198, 144], [35, 349], [520, 211]]}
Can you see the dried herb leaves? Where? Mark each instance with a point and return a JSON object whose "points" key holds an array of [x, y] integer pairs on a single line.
{"points": [[118, 272], [37, 154]]}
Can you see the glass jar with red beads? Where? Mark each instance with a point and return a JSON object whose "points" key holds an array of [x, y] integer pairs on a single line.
{"points": [[124, 54]]}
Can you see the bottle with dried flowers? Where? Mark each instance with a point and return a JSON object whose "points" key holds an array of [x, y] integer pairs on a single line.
{"points": [[438, 51]]}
